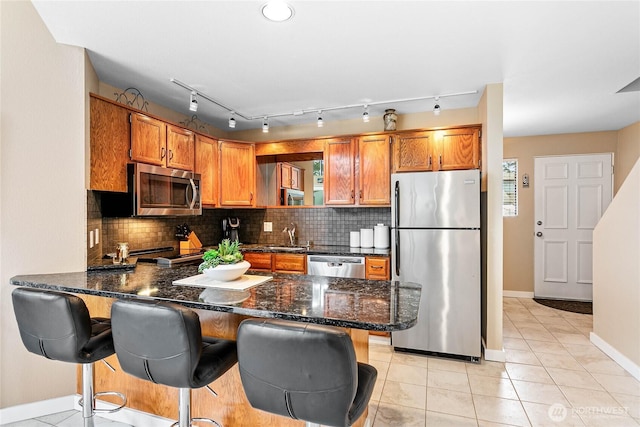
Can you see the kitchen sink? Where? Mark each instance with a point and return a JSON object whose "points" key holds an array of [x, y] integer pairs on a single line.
{"points": [[287, 248]]}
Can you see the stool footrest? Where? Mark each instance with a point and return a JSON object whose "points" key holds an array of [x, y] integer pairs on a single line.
{"points": [[106, 393], [201, 420]]}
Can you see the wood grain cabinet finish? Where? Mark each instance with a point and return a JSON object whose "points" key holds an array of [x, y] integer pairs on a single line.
{"points": [[148, 140], [339, 180], [277, 262], [237, 173], [374, 170], [109, 149], [377, 268], [290, 176], [448, 149], [180, 148], [206, 164]]}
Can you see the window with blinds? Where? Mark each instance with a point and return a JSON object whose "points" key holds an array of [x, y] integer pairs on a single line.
{"points": [[510, 187]]}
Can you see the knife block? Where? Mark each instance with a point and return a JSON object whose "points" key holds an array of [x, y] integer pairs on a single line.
{"points": [[191, 245]]}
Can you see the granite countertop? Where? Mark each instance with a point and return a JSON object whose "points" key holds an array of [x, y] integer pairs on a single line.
{"points": [[351, 303], [317, 250]]}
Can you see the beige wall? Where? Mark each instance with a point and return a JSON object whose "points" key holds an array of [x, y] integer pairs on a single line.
{"points": [[42, 174], [518, 231], [627, 152], [616, 274]]}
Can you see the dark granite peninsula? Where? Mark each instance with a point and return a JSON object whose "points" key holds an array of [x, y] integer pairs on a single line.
{"points": [[354, 304]]}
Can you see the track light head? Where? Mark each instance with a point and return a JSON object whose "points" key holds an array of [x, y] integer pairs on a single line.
{"points": [[265, 125], [193, 104], [232, 122], [365, 114], [436, 108], [320, 121]]}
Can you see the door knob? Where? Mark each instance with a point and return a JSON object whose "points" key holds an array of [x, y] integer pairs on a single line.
{"points": [[539, 234], [539, 222]]}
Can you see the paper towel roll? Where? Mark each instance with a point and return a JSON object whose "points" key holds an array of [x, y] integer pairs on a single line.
{"points": [[354, 239], [366, 237], [381, 236]]}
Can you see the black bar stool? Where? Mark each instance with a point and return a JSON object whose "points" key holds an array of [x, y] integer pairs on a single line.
{"points": [[57, 325], [162, 342], [303, 371]]}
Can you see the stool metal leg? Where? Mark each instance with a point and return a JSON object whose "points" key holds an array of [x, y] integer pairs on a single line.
{"points": [[184, 407], [87, 394]]}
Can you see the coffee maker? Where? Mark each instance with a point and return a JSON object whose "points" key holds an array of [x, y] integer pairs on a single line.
{"points": [[230, 228]]}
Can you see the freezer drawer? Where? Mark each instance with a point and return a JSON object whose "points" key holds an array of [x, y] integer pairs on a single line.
{"points": [[447, 264]]}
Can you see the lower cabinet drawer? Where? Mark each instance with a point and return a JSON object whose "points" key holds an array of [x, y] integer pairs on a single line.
{"points": [[258, 260], [289, 263], [377, 268]]}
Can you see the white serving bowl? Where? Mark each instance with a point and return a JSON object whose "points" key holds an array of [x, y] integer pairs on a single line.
{"points": [[227, 272]]}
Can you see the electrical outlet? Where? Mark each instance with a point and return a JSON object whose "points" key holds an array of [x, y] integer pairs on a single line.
{"points": [[268, 227], [97, 233], [91, 238]]}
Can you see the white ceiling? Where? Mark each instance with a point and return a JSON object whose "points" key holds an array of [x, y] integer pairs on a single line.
{"points": [[561, 62]]}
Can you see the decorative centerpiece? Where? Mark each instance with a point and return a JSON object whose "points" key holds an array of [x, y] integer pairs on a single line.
{"points": [[225, 263]]}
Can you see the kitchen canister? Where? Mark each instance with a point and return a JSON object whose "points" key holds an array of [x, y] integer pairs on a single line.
{"points": [[381, 236], [354, 239], [366, 237]]}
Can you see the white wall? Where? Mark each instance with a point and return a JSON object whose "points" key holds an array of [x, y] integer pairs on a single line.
{"points": [[42, 191], [616, 276]]}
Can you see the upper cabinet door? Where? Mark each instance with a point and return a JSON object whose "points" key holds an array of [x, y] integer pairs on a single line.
{"points": [[180, 148], [148, 140], [206, 165], [339, 188], [237, 174], [458, 149], [110, 141], [374, 154], [413, 152]]}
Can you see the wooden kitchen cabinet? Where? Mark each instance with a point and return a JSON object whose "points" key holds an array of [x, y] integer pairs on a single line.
{"points": [[374, 170], [377, 268], [109, 145], [237, 180], [448, 149], [158, 143], [276, 262], [206, 164], [339, 168], [180, 148], [290, 176], [148, 140]]}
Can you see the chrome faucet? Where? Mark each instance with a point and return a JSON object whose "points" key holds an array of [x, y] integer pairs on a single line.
{"points": [[292, 234]]}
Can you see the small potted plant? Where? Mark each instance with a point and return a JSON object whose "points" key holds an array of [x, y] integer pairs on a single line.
{"points": [[225, 263]]}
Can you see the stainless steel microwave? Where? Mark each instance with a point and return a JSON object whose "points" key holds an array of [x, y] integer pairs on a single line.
{"points": [[155, 191]]}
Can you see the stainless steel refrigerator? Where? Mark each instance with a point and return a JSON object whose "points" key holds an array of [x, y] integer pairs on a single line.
{"points": [[435, 241]]}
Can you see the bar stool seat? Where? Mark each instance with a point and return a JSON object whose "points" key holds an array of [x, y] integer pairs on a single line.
{"points": [[162, 342], [303, 371], [57, 325]]}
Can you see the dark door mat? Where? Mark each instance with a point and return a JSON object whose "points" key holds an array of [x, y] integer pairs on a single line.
{"points": [[572, 306]]}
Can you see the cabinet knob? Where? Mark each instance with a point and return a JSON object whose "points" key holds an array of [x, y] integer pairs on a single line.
{"points": [[163, 152]]}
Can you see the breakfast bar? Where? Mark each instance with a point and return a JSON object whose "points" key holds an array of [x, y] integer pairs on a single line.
{"points": [[357, 305]]}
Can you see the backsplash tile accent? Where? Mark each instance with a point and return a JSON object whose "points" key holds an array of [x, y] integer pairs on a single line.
{"points": [[322, 226]]}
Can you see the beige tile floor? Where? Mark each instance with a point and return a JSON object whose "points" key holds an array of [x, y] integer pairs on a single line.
{"points": [[553, 376]]}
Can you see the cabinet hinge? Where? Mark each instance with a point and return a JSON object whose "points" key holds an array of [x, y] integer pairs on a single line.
{"points": [[130, 153], [390, 140], [130, 120]]}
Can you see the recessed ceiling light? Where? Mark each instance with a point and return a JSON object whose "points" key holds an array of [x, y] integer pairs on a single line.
{"points": [[277, 11]]}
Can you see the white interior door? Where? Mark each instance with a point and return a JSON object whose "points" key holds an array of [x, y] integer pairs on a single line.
{"points": [[571, 194]]}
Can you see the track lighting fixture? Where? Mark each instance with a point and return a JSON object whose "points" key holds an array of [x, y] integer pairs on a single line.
{"points": [[365, 114], [193, 104]]}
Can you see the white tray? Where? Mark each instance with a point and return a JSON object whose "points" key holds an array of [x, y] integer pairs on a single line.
{"points": [[245, 281]]}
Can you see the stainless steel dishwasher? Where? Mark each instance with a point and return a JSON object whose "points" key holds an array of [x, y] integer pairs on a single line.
{"points": [[336, 266]]}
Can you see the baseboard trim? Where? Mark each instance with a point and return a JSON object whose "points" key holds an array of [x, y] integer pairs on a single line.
{"points": [[517, 294], [41, 408], [377, 339], [25, 411], [493, 355], [622, 360]]}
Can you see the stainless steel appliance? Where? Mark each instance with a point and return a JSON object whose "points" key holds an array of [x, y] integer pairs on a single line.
{"points": [[435, 241], [336, 266], [155, 191]]}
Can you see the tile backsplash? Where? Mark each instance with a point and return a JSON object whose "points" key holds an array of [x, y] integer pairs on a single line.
{"points": [[322, 226]]}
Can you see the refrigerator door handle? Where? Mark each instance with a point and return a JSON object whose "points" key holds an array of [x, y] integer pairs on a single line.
{"points": [[397, 204], [397, 251]]}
